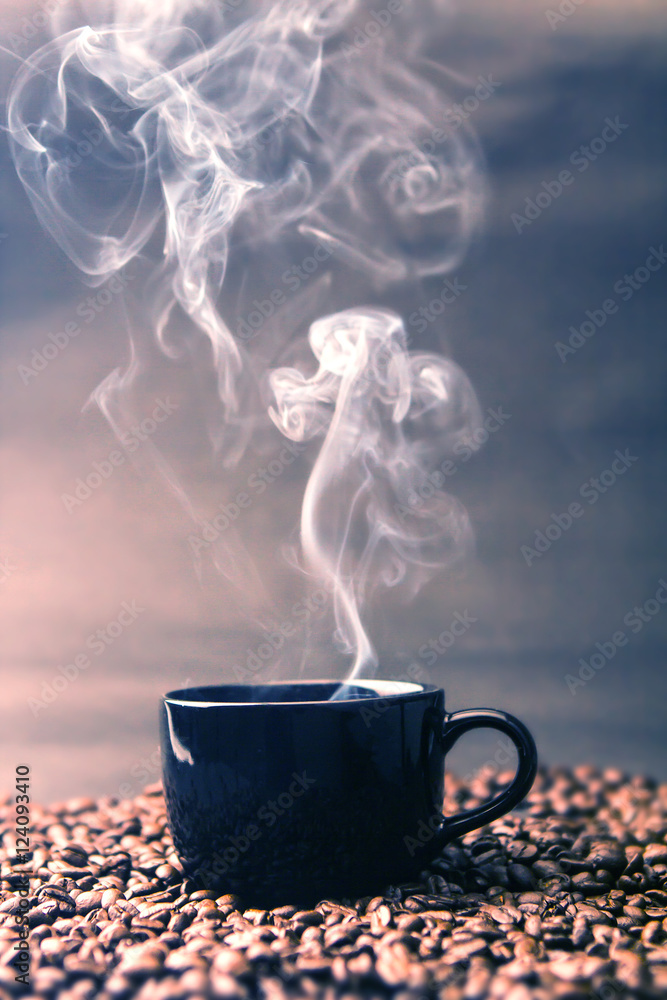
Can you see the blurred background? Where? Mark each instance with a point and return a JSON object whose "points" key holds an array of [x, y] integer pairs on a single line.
{"points": [[568, 87]]}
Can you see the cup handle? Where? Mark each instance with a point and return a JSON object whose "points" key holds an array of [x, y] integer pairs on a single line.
{"points": [[455, 725]]}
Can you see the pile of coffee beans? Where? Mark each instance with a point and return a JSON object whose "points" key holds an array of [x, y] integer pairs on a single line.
{"points": [[566, 897]]}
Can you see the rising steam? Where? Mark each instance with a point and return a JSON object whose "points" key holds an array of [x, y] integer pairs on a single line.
{"points": [[169, 134]]}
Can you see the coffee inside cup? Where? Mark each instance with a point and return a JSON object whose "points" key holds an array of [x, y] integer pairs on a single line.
{"points": [[290, 692]]}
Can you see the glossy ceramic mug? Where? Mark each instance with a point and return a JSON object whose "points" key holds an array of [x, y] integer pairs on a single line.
{"points": [[295, 791]]}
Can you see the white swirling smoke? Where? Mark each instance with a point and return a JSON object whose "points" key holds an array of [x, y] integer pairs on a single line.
{"points": [[172, 105]]}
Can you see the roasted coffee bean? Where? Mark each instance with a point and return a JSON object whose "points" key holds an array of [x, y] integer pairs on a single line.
{"points": [[533, 926], [410, 922], [413, 905], [586, 883], [522, 851], [11, 905], [520, 877], [87, 901], [199, 894], [167, 873], [381, 918], [573, 865], [48, 981], [545, 868], [655, 854], [607, 855], [74, 855], [308, 918], [117, 864], [338, 935], [65, 906], [392, 965], [226, 987], [141, 889]]}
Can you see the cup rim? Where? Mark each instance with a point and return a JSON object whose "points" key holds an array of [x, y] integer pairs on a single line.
{"points": [[389, 689]]}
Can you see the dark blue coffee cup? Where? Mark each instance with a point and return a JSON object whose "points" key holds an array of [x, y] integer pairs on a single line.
{"points": [[295, 791]]}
